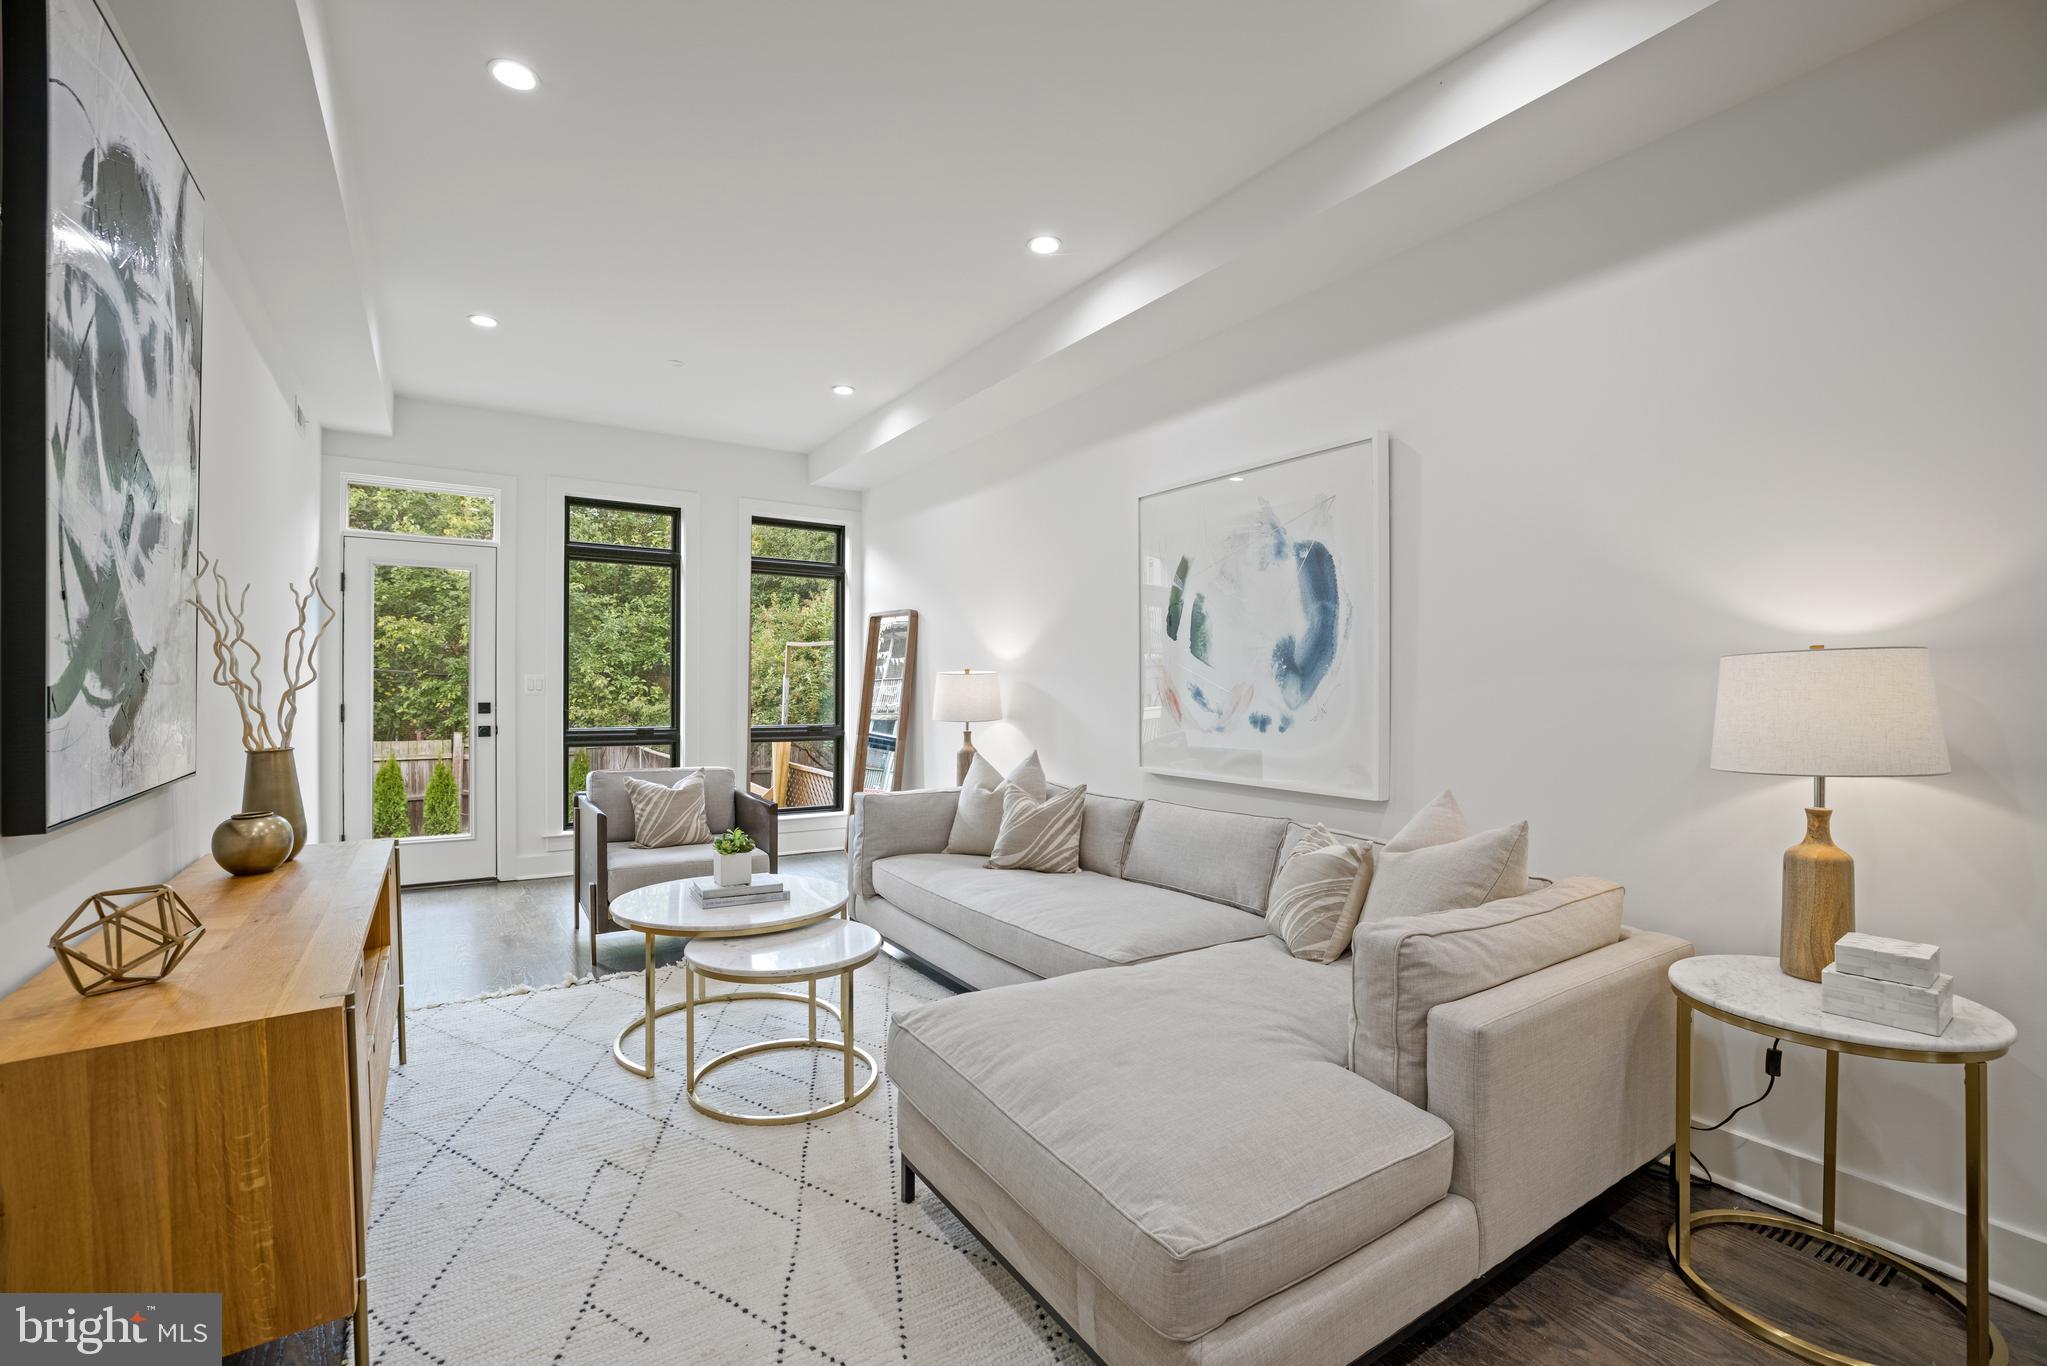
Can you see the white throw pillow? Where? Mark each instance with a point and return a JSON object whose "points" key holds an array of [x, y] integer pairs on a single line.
{"points": [[979, 817], [1040, 836], [1440, 822], [1317, 895], [1449, 877], [665, 816]]}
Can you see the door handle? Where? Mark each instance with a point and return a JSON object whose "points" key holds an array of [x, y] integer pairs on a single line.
{"points": [[483, 732]]}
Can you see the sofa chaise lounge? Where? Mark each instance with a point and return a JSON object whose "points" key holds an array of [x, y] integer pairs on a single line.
{"points": [[1196, 1148]]}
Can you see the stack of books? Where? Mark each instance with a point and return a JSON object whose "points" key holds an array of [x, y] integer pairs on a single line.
{"points": [[1889, 982], [707, 891]]}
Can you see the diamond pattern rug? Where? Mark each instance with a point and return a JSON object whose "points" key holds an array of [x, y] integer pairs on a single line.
{"points": [[535, 1202]]}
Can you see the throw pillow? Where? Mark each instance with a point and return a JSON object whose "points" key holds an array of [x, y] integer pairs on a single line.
{"points": [[1041, 835], [665, 816], [979, 816], [1317, 895], [1440, 822], [1449, 877]]}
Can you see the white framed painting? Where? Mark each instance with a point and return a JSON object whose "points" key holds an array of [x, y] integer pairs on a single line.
{"points": [[1263, 625]]}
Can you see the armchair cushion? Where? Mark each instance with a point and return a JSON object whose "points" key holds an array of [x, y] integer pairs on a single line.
{"points": [[628, 866], [608, 794], [1407, 966]]}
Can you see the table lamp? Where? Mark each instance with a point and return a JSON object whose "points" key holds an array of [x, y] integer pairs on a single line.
{"points": [[1820, 713], [963, 695]]}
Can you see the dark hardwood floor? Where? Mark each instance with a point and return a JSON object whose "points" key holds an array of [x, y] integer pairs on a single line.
{"points": [[1598, 1290]]}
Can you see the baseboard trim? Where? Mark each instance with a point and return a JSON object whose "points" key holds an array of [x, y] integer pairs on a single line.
{"points": [[1912, 1224]]}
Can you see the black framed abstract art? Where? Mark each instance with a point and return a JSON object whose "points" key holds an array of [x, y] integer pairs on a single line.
{"points": [[101, 269]]}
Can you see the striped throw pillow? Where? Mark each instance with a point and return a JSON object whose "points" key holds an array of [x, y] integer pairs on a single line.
{"points": [[1317, 895], [665, 816], [1041, 835]]}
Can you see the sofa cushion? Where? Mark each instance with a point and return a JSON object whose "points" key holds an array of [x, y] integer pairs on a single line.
{"points": [[1186, 1129], [1039, 835], [1105, 826], [627, 866], [1450, 877], [1054, 925], [607, 794], [1406, 967], [979, 814], [1317, 894], [1224, 856], [1440, 822]]}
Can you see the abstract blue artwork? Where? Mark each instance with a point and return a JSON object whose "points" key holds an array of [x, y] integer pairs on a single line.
{"points": [[1262, 623]]}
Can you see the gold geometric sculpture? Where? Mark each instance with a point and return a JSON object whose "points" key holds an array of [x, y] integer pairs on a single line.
{"points": [[135, 944]]}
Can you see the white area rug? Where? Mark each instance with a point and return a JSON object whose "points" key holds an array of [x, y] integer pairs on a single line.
{"points": [[535, 1202]]}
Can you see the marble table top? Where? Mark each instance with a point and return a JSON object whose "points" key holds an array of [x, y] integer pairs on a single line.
{"points": [[669, 908], [1754, 988], [816, 951]]}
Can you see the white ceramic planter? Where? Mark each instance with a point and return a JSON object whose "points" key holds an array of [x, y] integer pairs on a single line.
{"points": [[733, 870]]}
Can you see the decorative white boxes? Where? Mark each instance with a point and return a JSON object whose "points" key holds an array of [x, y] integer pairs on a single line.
{"points": [[1889, 982], [1888, 960]]}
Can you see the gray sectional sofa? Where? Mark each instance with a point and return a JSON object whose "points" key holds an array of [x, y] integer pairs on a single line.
{"points": [[1198, 1149]]}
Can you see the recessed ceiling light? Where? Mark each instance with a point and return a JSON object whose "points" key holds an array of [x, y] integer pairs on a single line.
{"points": [[1044, 244], [843, 390], [677, 361], [513, 75], [482, 320], [1236, 479]]}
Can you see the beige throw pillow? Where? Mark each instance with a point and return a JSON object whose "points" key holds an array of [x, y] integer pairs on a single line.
{"points": [[1449, 877], [1440, 822], [1317, 895], [1039, 835], [979, 816], [665, 816]]}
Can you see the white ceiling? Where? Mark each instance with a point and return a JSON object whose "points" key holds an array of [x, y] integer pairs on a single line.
{"points": [[787, 195]]}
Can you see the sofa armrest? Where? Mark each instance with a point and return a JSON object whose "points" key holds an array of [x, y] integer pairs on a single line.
{"points": [[1558, 1084], [591, 872], [885, 824], [757, 817]]}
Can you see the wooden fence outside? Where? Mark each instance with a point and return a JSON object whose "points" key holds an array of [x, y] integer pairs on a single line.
{"points": [[416, 760]]}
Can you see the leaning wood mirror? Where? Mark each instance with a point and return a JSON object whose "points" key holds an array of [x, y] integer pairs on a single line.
{"points": [[885, 701]]}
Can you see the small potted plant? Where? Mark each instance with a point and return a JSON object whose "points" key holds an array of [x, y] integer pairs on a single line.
{"points": [[735, 858]]}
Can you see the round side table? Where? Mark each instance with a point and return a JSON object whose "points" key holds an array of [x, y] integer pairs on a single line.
{"points": [[828, 949], [668, 908], [1752, 993]]}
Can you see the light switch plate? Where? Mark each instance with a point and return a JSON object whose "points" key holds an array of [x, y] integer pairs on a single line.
{"points": [[536, 684]]}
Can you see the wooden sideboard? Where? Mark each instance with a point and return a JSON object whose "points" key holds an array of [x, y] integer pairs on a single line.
{"points": [[216, 1131]]}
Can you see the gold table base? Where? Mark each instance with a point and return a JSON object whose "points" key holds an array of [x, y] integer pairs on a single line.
{"points": [[1758, 1326], [1986, 1346], [645, 1068]]}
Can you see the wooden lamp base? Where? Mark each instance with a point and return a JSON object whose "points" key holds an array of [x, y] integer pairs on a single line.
{"points": [[1819, 898]]}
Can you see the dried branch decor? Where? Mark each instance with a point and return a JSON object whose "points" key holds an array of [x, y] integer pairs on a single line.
{"points": [[299, 663]]}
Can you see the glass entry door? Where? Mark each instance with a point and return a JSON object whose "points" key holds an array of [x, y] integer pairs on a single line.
{"points": [[420, 725]]}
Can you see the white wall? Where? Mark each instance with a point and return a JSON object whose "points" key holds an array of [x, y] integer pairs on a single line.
{"points": [[535, 463], [259, 490], [1774, 380]]}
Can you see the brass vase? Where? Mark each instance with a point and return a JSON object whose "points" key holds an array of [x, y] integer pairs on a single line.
{"points": [[1819, 898], [251, 842], [270, 782]]}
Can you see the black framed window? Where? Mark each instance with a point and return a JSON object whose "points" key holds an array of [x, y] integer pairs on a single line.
{"points": [[796, 635], [621, 630]]}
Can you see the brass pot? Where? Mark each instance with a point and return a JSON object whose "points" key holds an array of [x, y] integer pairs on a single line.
{"points": [[252, 842], [270, 782]]}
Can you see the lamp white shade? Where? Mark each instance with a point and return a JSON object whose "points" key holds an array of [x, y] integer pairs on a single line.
{"points": [[1857, 713], [964, 695]]}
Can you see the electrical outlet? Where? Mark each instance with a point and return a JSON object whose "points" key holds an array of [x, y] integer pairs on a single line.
{"points": [[536, 684]]}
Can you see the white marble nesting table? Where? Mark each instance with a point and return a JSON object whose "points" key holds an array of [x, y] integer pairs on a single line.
{"points": [[1753, 993], [668, 908], [832, 948]]}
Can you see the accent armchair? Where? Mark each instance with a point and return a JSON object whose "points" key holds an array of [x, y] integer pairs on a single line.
{"points": [[609, 864]]}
